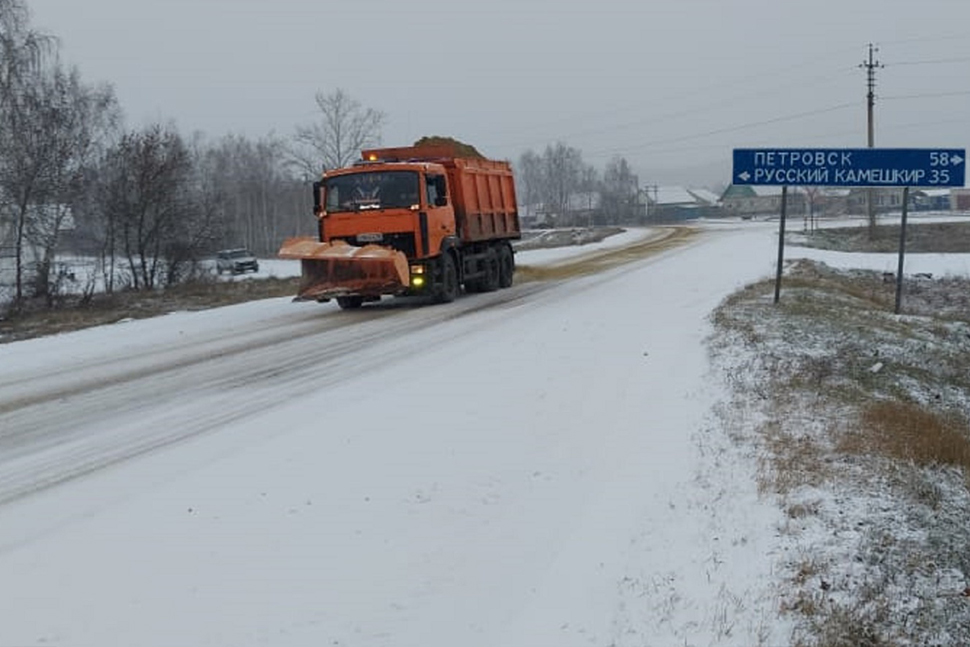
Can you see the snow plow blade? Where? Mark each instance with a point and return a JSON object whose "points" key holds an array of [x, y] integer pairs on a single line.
{"points": [[340, 269]]}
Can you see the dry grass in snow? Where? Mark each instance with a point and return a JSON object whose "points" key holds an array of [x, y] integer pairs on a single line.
{"points": [[860, 419]]}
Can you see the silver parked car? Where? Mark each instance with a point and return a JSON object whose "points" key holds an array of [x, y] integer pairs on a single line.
{"points": [[236, 261]]}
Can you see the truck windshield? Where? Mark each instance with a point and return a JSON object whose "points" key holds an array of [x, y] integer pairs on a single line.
{"points": [[371, 190]]}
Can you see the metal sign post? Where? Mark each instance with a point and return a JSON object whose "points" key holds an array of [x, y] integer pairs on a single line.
{"points": [[902, 251], [781, 241]]}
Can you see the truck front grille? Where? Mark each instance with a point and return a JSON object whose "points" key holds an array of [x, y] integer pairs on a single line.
{"points": [[402, 242]]}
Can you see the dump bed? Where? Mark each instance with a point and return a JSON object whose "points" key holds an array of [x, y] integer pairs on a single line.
{"points": [[484, 199]]}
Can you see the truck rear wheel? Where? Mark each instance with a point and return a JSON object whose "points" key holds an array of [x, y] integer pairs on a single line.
{"points": [[506, 266], [447, 289], [492, 278]]}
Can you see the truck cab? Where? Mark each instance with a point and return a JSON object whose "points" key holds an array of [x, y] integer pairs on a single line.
{"points": [[398, 205]]}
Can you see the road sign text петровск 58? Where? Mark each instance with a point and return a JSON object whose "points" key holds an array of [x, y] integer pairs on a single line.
{"points": [[850, 167]]}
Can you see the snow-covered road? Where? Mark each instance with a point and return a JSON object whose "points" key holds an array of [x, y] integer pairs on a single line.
{"points": [[536, 466]]}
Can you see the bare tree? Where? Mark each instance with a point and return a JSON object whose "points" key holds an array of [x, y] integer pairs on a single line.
{"points": [[22, 54], [344, 128], [530, 180], [149, 218], [22, 49], [562, 168], [68, 123], [553, 178], [619, 191], [50, 126], [813, 195], [257, 200]]}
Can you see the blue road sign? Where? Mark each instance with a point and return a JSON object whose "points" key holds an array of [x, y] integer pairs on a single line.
{"points": [[852, 167]]}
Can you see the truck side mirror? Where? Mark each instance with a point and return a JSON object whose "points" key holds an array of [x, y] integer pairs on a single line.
{"points": [[316, 197]]}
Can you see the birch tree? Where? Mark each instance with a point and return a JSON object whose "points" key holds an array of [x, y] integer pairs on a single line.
{"points": [[22, 54], [22, 49], [258, 201], [553, 178], [562, 168], [66, 123], [529, 178]]}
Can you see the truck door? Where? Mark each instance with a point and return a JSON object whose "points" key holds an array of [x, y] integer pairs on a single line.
{"points": [[440, 213]]}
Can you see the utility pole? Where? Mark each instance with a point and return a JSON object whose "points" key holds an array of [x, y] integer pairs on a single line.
{"points": [[871, 65]]}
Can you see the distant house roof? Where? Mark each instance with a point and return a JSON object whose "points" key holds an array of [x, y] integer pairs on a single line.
{"points": [[667, 196], [767, 191], [705, 196], [747, 191], [836, 193]]}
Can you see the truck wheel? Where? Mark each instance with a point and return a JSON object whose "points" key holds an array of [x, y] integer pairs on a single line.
{"points": [[506, 266], [491, 280], [447, 290], [350, 303]]}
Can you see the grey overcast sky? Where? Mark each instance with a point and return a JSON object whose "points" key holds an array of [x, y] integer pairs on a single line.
{"points": [[672, 85]]}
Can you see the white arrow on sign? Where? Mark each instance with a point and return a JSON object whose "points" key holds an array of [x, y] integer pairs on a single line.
{"points": [[956, 159], [745, 176]]}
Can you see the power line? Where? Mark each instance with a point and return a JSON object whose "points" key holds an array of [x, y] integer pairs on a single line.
{"points": [[711, 107], [704, 92], [929, 95], [730, 129], [870, 65], [937, 61], [925, 39]]}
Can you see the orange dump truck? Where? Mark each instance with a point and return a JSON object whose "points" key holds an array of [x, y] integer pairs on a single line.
{"points": [[413, 220]]}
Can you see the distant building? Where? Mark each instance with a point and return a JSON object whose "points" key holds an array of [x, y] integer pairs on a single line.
{"points": [[744, 200], [932, 200], [960, 199], [705, 197], [884, 199], [667, 203]]}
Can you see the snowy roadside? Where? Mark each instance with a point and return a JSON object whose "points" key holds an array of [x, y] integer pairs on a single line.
{"points": [[859, 417]]}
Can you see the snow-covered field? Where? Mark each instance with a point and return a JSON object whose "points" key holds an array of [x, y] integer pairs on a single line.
{"points": [[536, 466]]}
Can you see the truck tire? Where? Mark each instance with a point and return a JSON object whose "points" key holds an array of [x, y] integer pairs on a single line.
{"points": [[492, 278], [506, 266], [350, 303], [447, 289]]}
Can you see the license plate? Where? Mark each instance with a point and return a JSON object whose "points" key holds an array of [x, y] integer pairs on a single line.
{"points": [[370, 238]]}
